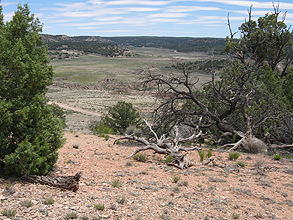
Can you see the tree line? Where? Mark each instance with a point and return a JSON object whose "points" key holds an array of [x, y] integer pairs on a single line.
{"points": [[115, 46]]}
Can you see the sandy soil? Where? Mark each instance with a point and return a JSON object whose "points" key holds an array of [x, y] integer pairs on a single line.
{"points": [[263, 189]]}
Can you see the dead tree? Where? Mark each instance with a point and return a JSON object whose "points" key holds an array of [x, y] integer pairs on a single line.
{"points": [[64, 182], [245, 98], [169, 146]]}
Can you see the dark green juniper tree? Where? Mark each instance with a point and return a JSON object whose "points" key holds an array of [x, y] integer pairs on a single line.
{"points": [[30, 133], [120, 116]]}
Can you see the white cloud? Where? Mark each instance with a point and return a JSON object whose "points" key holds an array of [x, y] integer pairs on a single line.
{"points": [[8, 16], [108, 18], [7, 3], [87, 28], [166, 20], [254, 4], [112, 31], [75, 6], [168, 15], [133, 9], [95, 2], [191, 8], [62, 21], [78, 14], [138, 2]]}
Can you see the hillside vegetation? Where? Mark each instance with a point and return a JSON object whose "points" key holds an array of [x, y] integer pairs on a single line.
{"points": [[117, 46]]}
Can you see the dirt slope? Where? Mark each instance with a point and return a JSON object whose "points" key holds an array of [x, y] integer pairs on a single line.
{"points": [[263, 189]]}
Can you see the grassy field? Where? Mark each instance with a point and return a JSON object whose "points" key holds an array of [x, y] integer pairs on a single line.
{"points": [[93, 71]]}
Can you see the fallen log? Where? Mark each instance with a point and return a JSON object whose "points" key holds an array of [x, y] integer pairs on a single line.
{"points": [[64, 182]]}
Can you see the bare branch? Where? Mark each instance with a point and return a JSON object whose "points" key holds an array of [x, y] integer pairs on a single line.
{"points": [[230, 29]]}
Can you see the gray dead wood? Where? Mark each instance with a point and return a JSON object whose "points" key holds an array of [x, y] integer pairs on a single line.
{"points": [[169, 146], [64, 182]]}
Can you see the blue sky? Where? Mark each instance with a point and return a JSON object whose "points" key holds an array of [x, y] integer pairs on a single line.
{"points": [[177, 18]]}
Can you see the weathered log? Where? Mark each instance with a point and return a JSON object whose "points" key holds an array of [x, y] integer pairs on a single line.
{"points": [[64, 182]]}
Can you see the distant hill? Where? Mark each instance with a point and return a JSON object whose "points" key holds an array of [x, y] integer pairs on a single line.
{"points": [[115, 46], [84, 44], [181, 44]]}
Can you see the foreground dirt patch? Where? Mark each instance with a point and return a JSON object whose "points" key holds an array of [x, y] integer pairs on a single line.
{"points": [[127, 189]]}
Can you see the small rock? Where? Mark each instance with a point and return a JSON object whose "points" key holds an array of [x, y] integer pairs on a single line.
{"points": [[74, 208], [2, 197], [43, 210], [76, 146], [132, 208]]}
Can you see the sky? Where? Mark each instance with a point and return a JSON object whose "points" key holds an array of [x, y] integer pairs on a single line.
{"points": [[173, 18]]}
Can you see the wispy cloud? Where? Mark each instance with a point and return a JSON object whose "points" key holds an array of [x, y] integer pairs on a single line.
{"points": [[136, 17], [139, 9], [168, 15], [191, 8], [166, 20], [255, 4], [136, 2], [8, 3]]}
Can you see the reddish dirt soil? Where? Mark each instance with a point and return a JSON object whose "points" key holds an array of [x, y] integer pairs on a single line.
{"points": [[263, 189]]}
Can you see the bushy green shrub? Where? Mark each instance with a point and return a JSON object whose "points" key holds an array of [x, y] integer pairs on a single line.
{"points": [[234, 155], [121, 116], [277, 157], [31, 130], [99, 128]]}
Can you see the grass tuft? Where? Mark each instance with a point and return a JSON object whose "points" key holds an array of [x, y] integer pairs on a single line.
{"points": [[241, 164], [117, 183], [71, 215], [176, 178], [234, 155], [49, 201], [9, 213], [26, 203], [100, 207], [141, 157], [277, 157]]}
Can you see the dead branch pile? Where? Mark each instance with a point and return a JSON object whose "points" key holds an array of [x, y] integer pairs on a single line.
{"points": [[169, 146]]}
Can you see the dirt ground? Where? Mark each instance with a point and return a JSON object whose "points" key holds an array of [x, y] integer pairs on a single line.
{"points": [[128, 189]]}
